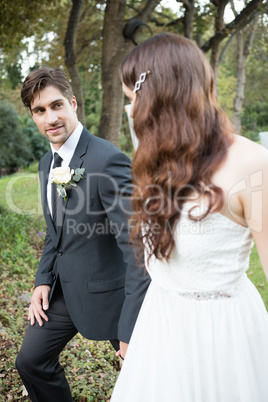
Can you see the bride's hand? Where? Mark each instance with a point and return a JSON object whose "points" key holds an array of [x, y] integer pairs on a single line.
{"points": [[123, 350]]}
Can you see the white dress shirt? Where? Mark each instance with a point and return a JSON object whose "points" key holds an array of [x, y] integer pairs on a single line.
{"points": [[66, 152]]}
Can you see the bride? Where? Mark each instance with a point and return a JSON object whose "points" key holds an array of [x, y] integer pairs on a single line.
{"points": [[200, 200]]}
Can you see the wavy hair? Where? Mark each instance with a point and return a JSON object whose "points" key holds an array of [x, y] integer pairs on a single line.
{"points": [[42, 77], [183, 137]]}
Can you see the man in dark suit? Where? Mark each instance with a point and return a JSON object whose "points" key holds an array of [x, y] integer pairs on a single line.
{"points": [[88, 280]]}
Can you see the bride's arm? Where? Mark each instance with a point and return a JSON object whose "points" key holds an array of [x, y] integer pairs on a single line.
{"points": [[255, 202]]}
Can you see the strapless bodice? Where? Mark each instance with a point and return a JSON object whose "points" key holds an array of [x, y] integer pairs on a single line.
{"points": [[210, 256]]}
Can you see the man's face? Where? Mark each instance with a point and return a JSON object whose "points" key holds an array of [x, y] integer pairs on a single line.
{"points": [[54, 116]]}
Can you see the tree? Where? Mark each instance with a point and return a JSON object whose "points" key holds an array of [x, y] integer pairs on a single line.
{"points": [[37, 143], [243, 17], [244, 36], [218, 26], [244, 41], [21, 18], [14, 151], [14, 74], [95, 37], [115, 47], [70, 58], [188, 21]]}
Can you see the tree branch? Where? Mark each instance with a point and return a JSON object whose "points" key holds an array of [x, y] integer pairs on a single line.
{"points": [[250, 38], [233, 8], [147, 11], [186, 4], [245, 23], [232, 26]]}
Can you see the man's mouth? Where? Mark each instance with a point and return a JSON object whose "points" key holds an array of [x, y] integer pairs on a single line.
{"points": [[54, 130]]}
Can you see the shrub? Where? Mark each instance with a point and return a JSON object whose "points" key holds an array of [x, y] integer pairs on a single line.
{"points": [[38, 144], [254, 120], [91, 367], [14, 151]]}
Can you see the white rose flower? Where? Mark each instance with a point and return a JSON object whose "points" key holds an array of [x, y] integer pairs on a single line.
{"points": [[61, 175]]}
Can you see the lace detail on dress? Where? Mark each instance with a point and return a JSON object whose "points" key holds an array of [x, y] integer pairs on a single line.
{"points": [[199, 263]]}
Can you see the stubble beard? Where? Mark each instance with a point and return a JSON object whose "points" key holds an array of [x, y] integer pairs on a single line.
{"points": [[58, 139]]}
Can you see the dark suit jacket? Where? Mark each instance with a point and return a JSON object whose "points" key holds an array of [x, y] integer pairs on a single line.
{"points": [[90, 251]]}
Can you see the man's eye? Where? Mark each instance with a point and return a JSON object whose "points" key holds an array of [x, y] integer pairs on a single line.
{"points": [[38, 111], [57, 105]]}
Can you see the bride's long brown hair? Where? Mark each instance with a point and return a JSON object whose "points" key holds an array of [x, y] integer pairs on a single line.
{"points": [[183, 136]]}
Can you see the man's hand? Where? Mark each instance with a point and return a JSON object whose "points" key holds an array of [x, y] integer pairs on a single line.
{"points": [[123, 350], [39, 303]]}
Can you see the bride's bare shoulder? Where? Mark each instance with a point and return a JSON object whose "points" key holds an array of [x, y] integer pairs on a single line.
{"points": [[248, 153], [244, 158]]}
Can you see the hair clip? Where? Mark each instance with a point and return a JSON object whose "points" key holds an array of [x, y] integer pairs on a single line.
{"points": [[140, 81]]}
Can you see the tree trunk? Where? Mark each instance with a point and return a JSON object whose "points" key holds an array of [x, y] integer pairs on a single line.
{"points": [[115, 47], [243, 50], [219, 25], [70, 59], [188, 20]]}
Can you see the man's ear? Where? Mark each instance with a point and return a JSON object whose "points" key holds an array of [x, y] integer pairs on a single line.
{"points": [[74, 103]]}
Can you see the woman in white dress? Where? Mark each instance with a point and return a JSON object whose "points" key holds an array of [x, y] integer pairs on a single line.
{"points": [[201, 199]]}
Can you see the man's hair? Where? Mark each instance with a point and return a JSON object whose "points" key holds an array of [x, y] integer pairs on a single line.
{"points": [[42, 77]]}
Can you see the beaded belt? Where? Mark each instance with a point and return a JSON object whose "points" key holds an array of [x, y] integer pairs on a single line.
{"points": [[204, 295]]}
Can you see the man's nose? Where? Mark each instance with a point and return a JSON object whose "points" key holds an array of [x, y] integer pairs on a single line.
{"points": [[52, 116]]}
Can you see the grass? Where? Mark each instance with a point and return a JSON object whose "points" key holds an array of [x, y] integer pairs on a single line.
{"points": [[91, 367], [257, 276], [20, 192]]}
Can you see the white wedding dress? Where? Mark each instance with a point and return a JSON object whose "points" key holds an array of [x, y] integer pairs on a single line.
{"points": [[202, 332]]}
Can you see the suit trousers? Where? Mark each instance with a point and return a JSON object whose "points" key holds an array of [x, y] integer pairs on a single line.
{"points": [[38, 359]]}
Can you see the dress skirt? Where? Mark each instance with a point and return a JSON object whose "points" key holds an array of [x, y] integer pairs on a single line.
{"points": [[188, 350]]}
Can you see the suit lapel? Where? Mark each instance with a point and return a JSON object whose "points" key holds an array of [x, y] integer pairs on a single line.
{"points": [[76, 162]]}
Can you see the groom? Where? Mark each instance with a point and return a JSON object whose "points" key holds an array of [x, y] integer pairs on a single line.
{"points": [[88, 280]]}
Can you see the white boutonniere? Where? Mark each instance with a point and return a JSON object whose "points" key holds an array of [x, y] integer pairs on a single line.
{"points": [[66, 178]]}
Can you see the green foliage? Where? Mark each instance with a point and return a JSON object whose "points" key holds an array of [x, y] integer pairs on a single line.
{"points": [[19, 242], [91, 367], [255, 108], [38, 144], [22, 18], [11, 66], [91, 80], [226, 88], [14, 74], [14, 151], [33, 168], [20, 192], [257, 113], [45, 35], [14, 238], [21, 142], [257, 276], [257, 65], [254, 120]]}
